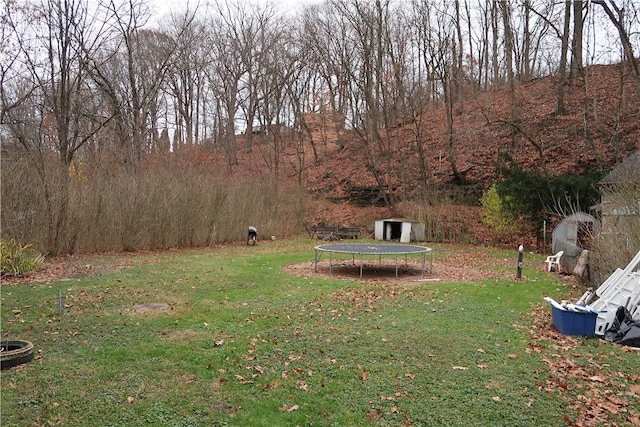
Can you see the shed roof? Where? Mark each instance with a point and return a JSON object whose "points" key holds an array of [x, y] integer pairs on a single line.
{"points": [[579, 217], [620, 173]]}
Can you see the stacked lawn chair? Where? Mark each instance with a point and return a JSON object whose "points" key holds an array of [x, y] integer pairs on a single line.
{"points": [[621, 289]]}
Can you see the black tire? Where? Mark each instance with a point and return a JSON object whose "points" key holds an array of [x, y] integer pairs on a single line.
{"points": [[15, 353]]}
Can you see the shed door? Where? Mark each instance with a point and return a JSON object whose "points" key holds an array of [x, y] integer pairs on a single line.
{"points": [[571, 235], [379, 230], [405, 236]]}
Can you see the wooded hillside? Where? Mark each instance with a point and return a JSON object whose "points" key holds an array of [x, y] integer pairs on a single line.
{"points": [[120, 131], [601, 128]]}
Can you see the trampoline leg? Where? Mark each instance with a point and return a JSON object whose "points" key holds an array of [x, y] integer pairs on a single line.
{"points": [[330, 262], [431, 267], [360, 266], [396, 265], [315, 259]]}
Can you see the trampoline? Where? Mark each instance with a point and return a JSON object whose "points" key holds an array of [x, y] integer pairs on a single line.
{"points": [[368, 249]]}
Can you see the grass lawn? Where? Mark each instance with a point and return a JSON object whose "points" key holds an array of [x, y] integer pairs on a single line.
{"points": [[245, 343]]}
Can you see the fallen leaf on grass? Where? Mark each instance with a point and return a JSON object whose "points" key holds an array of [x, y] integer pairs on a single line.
{"points": [[372, 416], [258, 368], [243, 380], [272, 385], [460, 368], [496, 398], [293, 408], [130, 399]]}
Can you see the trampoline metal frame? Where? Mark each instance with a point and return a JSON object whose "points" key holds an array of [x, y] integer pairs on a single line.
{"points": [[363, 249]]}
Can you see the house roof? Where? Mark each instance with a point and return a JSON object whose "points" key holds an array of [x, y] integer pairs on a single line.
{"points": [[620, 173]]}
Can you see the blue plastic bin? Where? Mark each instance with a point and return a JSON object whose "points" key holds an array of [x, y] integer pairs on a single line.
{"points": [[574, 322]]}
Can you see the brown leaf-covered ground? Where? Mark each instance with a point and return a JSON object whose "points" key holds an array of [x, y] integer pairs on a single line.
{"points": [[601, 392], [601, 128], [458, 266]]}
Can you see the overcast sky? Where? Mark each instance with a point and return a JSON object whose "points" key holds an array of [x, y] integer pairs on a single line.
{"points": [[160, 8]]}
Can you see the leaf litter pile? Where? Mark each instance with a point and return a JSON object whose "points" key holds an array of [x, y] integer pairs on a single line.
{"points": [[588, 383]]}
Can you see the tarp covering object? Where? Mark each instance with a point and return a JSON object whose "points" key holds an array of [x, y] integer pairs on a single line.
{"points": [[624, 330]]}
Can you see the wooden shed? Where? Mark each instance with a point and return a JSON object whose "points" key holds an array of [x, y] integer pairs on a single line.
{"points": [[620, 198]]}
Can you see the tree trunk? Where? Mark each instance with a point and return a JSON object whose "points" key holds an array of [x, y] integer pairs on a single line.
{"points": [[496, 62], [457, 176], [526, 48], [508, 48], [624, 38], [562, 71], [576, 44]]}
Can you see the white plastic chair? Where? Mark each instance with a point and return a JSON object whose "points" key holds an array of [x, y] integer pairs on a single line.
{"points": [[554, 260]]}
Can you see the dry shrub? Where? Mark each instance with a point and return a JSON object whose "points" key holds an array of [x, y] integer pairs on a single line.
{"points": [[444, 219], [158, 206], [619, 239], [25, 214]]}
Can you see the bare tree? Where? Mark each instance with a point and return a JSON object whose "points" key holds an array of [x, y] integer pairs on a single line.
{"points": [[576, 42], [52, 107], [618, 20], [550, 21], [250, 27], [278, 67], [226, 69], [368, 30], [525, 68], [483, 45], [505, 8], [330, 57], [131, 74], [562, 69], [186, 77], [495, 40]]}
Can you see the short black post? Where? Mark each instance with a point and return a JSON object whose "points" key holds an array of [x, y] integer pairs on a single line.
{"points": [[520, 256]]}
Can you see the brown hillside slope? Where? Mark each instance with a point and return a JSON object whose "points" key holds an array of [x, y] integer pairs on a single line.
{"points": [[601, 128]]}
